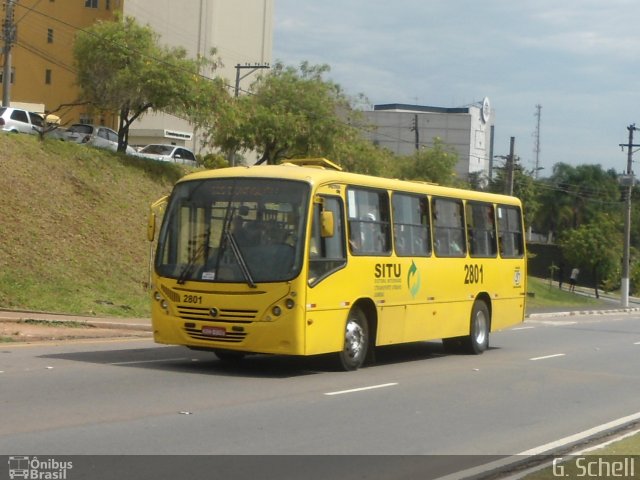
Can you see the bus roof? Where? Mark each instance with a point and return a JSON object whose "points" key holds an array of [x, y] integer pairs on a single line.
{"points": [[313, 172]]}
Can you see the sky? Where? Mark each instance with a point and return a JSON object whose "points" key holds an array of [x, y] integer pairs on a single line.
{"points": [[578, 59]]}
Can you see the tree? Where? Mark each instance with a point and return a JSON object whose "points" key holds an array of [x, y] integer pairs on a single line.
{"points": [[122, 69], [595, 246], [573, 196], [434, 164], [289, 113]]}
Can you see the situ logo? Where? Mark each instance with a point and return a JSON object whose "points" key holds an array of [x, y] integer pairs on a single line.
{"points": [[38, 469]]}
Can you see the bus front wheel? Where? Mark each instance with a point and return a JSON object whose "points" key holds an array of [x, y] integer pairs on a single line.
{"points": [[356, 341], [478, 339]]}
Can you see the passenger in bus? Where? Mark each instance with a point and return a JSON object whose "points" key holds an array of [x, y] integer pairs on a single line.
{"points": [[240, 232], [371, 239]]}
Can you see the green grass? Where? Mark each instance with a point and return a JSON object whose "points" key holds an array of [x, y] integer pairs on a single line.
{"points": [[544, 295], [73, 227]]}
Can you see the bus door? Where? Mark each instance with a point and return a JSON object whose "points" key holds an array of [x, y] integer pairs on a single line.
{"points": [[327, 278]]}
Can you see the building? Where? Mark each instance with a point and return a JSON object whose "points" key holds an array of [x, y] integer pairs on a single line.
{"points": [[42, 59], [42, 70], [403, 129], [240, 30]]}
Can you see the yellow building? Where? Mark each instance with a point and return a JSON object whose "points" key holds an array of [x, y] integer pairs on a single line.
{"points": [[43, 73]]}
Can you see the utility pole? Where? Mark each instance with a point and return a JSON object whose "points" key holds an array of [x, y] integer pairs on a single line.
{"points": [[536, 147], [508, 187], [510, 166], [9, 34], [414, 128], [253, 68], [627, 184]]}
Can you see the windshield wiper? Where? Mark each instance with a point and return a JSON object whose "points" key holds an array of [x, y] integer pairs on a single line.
{"points": [[237, 253], [188, 268]]}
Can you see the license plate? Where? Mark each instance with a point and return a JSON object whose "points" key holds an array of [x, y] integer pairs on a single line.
{"points": [[214, 331]]}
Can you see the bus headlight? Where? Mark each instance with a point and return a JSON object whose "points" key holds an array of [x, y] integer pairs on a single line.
{"points": [[277, 311], [289, 303]]}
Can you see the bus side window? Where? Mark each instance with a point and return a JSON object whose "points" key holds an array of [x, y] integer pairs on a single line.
{"points": [[369, 222], [326, 254], [510, 235], [481, 230], [411, 225], [448, 226]]}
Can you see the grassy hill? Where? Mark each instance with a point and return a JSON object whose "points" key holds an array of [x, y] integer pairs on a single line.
{"points": [[73, 226]]}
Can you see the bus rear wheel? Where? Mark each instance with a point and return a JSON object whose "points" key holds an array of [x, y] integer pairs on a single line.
{"points": [[356, 341], [478, 339]]}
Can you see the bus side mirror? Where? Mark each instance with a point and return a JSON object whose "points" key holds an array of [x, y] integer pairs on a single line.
{"points": [[326, 224], [155, 209], [151, 226]]}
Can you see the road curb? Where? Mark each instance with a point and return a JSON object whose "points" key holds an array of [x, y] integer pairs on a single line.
{"points": [[584, 312], [116, 323]]}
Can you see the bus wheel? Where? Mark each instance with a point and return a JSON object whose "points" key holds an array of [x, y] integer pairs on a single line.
{"points": [[478, 339], [356, 341], [229, 356]]}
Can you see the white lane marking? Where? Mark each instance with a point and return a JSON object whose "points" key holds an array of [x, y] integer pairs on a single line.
{"points": [[522, 328], [547, 356], [554, 323], [547, 448], [637, 343], [362, 389], [134, 362], [579, 436]]}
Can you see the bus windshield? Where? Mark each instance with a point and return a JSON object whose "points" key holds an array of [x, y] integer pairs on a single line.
{"points": [[234, 230]]}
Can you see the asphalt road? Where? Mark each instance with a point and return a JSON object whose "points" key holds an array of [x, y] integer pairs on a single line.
{"points": [[549, 379]]}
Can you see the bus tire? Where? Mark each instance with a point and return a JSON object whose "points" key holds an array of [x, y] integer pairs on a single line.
{"points": [[480, 325], [356, 341]]}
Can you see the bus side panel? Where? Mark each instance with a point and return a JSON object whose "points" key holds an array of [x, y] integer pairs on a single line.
{"points": [[445, 286], [509, 302], [325, 331], [506, 313], [392, 325], [327, 306]]}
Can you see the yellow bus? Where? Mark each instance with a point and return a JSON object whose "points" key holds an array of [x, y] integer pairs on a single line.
{"points": [[304, 259]]}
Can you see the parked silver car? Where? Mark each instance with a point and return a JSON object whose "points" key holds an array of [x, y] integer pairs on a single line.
{"points": [[19, 120], [95, 136], [168, 153]]}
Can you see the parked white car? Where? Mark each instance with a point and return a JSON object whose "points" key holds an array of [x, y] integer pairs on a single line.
{"points": [[168, 153], [95, 136], [19, 120]]}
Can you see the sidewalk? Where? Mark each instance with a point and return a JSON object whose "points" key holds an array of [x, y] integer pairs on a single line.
{"points": [[142, 324], [610, 303]]}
